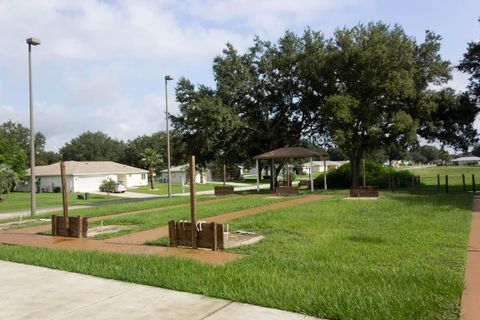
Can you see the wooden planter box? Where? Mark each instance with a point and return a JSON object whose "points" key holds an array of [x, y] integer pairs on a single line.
{"points": [[78, 227], [210, 236], [286, 191], [221, 190], [367, 191]]}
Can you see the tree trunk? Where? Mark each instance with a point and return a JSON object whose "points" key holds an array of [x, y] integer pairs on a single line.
{"points": [[150, 175], [355, 169], [272, 175]]}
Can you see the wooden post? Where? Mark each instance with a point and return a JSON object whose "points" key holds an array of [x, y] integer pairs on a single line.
{"points": [[389, 177], [418, 180], [438, 182], [413, 181], [463, 182], [474, 187], [193, 202], [64, 194], [224, 174], [446, 183]]}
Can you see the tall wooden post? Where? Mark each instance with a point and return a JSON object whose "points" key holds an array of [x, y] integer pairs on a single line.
{"points": [[438, 183], [224, 174], [446, 183], [193, 202], [325, 170], [258, 176], [463, 182], [64, 194], [288, 175], [474, 187], [311, 175]]}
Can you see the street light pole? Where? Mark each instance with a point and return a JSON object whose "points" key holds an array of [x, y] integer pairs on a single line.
{"points": [[33, 186], [167, 78]]}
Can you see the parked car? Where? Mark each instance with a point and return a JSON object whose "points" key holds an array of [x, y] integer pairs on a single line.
{"points": [[120, 187]]}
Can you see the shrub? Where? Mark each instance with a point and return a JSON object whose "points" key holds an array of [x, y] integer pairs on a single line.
{"points": [[57, 189], [376, 175]]}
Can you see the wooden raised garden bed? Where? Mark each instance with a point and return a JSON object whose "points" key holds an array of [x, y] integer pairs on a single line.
{"points": [[286, 191], [208, 234], [77, 227], [223, 190], [367, 191]]}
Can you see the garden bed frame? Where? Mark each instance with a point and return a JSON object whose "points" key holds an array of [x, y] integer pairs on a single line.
{"points": [[207, 234], [364, 191]]}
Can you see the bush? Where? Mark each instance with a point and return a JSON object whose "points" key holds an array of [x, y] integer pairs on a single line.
{"points": [[377, 175], [57, 189]]}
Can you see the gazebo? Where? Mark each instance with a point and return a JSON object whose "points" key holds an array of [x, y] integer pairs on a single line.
{"points": [[286, 153]]}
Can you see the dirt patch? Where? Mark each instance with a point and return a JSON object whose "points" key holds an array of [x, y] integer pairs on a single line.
{"points": [[241, 238], [20, 224], [106, 229]]}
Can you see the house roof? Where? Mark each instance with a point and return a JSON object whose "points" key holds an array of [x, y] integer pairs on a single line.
{"points": [[466, 159], [293, 152], [86, 168]]}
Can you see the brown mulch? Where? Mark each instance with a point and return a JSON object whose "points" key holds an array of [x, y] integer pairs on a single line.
{"points": [[470, 307], [133, 243]]}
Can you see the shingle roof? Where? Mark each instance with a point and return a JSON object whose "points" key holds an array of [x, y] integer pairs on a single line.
{"points": [[86, 168], [293, 152]]}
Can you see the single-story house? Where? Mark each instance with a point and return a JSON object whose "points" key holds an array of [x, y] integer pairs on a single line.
{"points": [[85, 176], [319, 166], [179, 174], [463, 161]]}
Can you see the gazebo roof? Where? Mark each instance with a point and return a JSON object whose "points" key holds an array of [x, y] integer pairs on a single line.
{"points": [[294, 152]]}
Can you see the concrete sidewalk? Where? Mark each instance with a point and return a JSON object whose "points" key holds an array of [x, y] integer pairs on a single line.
{"points": [[29, 292]]}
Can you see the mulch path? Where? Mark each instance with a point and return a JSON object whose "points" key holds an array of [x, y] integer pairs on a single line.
{"points": [[134, 243], [470, 307]]}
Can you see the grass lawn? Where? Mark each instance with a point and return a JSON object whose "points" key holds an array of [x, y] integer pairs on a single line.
{"points": [[17, 201], [162, 188], [399, 257], [150, 220], [428, 175]]}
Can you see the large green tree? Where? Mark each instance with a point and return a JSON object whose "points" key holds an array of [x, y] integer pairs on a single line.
{"points": [[12, 156], [471, 65], [8, 179], [382, 77], [93, 146]]}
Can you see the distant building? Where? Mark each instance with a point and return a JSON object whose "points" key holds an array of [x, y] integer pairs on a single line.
{"points": [[179, 174], [463, 161], [319, 166], [85, 176]]}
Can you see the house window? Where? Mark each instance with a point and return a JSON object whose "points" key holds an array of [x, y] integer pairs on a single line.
{"points": [[144, 176]]}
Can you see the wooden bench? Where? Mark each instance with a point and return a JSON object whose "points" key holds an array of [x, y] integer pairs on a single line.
{"points": [[286, 191], [221, 190]]}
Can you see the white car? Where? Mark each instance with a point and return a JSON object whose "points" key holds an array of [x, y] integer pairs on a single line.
{"points": [[120, 187]]}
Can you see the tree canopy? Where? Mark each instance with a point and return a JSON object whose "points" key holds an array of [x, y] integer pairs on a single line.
{"points": [[93, 146]]}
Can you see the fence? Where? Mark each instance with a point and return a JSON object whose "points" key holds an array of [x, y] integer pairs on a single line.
{"points": [[442, 183]]}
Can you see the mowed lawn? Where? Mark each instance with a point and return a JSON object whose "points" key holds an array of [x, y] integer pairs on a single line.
{"points": [[399, 257], [18, 201], [428, 175], [162, 188]]}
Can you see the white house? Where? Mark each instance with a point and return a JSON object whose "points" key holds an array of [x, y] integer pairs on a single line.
{"points": [[319, 166], [180, 174], [463, 161], [85, 176]]}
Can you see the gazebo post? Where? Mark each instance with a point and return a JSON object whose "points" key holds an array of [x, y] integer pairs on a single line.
{"points": [[324, 174], [258, 177], [288, 174], [311, 175]]}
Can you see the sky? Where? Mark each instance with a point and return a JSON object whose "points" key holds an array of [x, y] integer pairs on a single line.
{"points": [[101, 64]]}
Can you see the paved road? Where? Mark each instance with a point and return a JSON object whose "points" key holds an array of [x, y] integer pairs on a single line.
{"points": [[29, 292], [132, 197]]}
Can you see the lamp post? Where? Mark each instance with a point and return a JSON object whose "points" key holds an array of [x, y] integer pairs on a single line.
{"points": [[167, 78], [33, 186]]}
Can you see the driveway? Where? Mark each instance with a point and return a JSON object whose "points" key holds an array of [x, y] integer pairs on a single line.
{"points": [[30, 292]]}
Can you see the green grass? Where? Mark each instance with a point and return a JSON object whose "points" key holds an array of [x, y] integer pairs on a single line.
{"points": [[428, 175], [162, 188], [399, 257], [150, 220], [18, 201]]}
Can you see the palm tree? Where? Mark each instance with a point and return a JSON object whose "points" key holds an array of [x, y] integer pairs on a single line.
{"points": [[8, 179], [151, 158]]}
